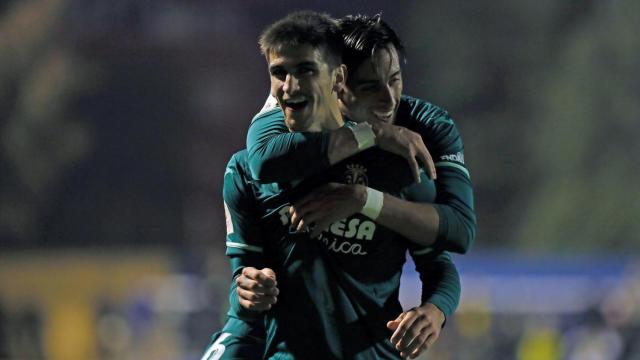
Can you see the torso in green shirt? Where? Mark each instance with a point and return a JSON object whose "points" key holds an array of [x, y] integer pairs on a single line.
{"points": [[336, 292], [275, 154]]}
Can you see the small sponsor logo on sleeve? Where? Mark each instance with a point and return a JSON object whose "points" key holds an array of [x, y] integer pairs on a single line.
{"points": [[457, 157]]}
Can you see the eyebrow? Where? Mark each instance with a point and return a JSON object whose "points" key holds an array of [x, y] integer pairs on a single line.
{"points": [[374, 81], [367, 82], [299, 65], [307, 64]]}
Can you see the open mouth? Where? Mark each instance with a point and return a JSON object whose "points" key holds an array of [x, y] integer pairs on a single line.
{"points": [[295, 104], [384, 116]]}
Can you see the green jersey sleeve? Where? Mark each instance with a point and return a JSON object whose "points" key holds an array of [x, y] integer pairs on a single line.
{"points": [[244, 239], [277, 155], [454, 191], [438, 274], [440, 280]]}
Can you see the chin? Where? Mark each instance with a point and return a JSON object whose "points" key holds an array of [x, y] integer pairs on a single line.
{"points": [[291, 123], [295, 125], [298, 121], [388, 120]]}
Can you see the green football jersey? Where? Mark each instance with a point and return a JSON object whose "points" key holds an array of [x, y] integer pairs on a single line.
{"points": [[275, 154], [336, 292]]}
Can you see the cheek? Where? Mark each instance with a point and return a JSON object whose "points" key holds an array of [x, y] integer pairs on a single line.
{"points": [[348, 99], [358, 107], [275, 87], [365, 100], [352, 102], [398, 91], [321, 91]]}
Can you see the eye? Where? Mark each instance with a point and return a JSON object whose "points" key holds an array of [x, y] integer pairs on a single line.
{"points": [[394, 81], [369, 88], [279, 73], [306, 71]]}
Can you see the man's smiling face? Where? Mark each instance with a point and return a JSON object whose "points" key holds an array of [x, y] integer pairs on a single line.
{"points": [[303, 83], [374, 88]]}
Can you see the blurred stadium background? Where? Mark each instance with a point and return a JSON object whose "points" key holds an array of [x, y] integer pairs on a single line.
{"points": [[117, 118]]}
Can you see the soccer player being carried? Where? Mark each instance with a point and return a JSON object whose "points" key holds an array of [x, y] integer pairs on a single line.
{"points": [[337, 295]]}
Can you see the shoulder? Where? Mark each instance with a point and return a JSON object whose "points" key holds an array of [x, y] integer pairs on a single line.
{"points": [[268, 115], [238, 160], [412, 110], [263, 125], [432, 122], [236, 171], [270, 106]]}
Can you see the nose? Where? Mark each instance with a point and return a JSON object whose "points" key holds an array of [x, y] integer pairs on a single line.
{"points": [[385, 97], [290, 84]]}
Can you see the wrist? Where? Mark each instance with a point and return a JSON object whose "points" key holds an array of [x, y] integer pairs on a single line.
{"points": [[373, 203], [431, 307], [363, 133], [360, 195], [376, 127]]}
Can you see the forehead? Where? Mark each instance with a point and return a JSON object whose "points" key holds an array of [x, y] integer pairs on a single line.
{"points": [[384, 63], [294, 55]]}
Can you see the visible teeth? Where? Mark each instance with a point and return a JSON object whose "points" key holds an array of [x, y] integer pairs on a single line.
{"points": [[383, 115]]}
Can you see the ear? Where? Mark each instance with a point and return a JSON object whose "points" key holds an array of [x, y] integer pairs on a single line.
{"points": [[340, 78]]}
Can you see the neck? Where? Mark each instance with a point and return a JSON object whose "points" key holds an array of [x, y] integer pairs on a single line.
{"points": [[330, 120]]}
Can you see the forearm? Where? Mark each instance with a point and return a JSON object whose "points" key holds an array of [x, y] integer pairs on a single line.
{"points": [[294, 156], [275, 154], [440, 282], [287, 156], [444, 227], [446, 297], [342, 144], [417, 222], [454, 190], [456, 230], [454, 203]]}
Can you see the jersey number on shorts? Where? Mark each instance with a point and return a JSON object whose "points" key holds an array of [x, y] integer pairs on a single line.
{"points": [[217, 349]]}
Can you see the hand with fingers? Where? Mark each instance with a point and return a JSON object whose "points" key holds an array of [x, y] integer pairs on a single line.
{"points": [[406, 143], [416, 330], [257, 289], [326, 205]]}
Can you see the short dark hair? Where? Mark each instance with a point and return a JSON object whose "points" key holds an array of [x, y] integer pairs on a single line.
{"points": [[321, 31], [363, 35]]}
